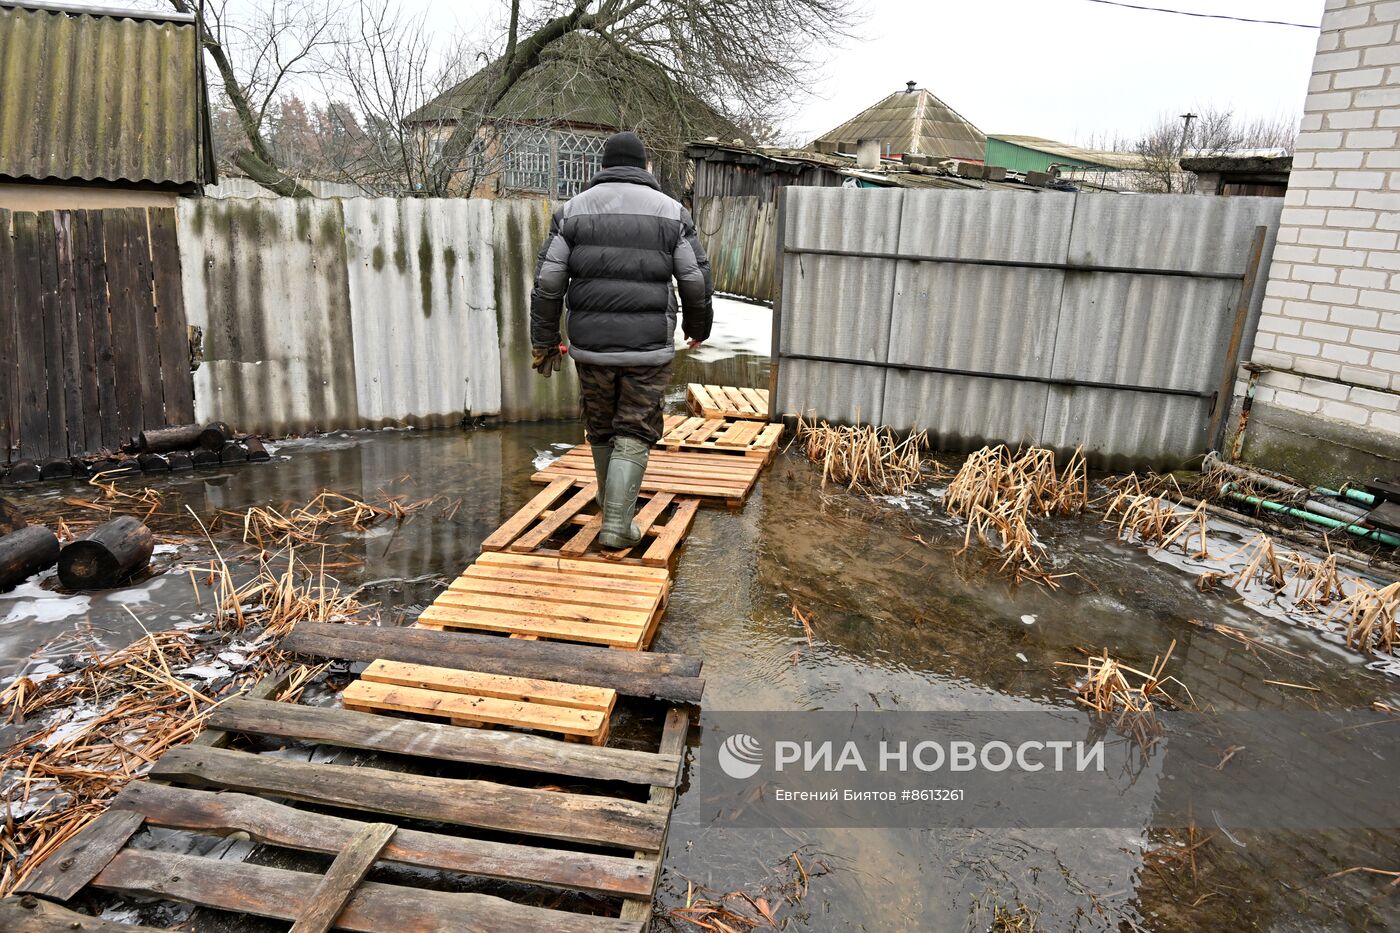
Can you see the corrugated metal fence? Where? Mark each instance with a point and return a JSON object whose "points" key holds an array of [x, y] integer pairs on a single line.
{"points": [[1103, 321], [324, 314]]}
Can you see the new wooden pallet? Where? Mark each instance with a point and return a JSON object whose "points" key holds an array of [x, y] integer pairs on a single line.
{"points": [[564, 520], [474, 698], [727, 401], [704, 476], [566, 599], [505, 827], [720, 435]]}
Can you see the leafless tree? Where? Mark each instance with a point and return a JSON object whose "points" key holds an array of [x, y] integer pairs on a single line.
{"points": [[258, 53], [1212, 131]]}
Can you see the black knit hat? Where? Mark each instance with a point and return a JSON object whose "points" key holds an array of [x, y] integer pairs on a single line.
{"points": [[624, 149]]}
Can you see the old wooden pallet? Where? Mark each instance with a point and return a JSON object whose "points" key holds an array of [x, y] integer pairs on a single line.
{"points": [[504, 828], [671, 677], [721, 435], [559, 524], [727, 401], [704, 476], [473, 698], [566, 599]]}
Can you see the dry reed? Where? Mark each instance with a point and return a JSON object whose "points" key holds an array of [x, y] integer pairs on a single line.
{"points": [[865, 459], [742, 911], [327, 512], [1370, 615], [997, 493], [1131, 696]]}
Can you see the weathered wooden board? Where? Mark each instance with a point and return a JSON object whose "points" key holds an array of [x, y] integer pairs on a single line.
{"points": [[546, 526], [29, 914], [601, 820], [672, 677], [683, 473], [349, 729], [468, 709], [338, 884], [711, 401], [673, 739], [373, 908], [719, 435], [277, 824], [69, 869]]}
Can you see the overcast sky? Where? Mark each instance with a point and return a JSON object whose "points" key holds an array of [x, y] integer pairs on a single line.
{"points": [[1066, 69]]}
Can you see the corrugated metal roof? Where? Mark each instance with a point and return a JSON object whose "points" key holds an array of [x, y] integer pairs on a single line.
{"points": [[1122, 160], [913, 122], [99, 97]]}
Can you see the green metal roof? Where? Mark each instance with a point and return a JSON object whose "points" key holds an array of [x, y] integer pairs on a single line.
{"points": [[97, 95]]}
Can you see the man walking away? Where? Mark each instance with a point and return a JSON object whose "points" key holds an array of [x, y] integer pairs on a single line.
{"points": [[612, 252]]}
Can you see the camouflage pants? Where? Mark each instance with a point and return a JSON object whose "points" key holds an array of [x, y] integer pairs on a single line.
{"points": [[622, 400]]}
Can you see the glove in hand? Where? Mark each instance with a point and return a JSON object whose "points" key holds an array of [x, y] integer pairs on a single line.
{"points": [[547, 360]]}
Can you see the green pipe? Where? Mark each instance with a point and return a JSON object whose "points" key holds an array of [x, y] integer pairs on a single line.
{"points": [[1369, 534], [1355, 495]]}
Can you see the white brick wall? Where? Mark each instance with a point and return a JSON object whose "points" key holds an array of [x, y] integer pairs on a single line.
{"points": [[1331, 316]]}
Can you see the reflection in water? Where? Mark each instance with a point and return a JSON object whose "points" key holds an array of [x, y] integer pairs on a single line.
{"points": [[900, 621]]}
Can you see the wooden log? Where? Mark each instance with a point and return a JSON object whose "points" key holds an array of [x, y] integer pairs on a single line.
{"points": [[270, 823], [75, 863], [153, 463], [106, 556], [29, 914], [82, 469], [348, 869], [215, 435], [57, 469], [23, 471], [180, 460], [164, 440], [233, 452], [11, 518], [245, 888], [24, 553], [608, 821], [498, 749], [256, 451], [203, 458]]}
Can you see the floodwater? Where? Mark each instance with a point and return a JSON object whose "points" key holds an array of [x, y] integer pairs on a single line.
{"points": [[900, 621]]}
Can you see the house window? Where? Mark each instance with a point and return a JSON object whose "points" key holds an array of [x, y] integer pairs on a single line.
{"points": [[528, 158], [579, 159]]}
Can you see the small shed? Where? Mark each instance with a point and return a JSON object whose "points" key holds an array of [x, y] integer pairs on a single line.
{"points": [[1036, 154], [1241, 174], [100, 107]]}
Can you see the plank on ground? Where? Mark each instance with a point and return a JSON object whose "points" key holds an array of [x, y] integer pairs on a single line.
{"points": [[518, 522], [365, 695], [347, 870], [294, 828], [468, 586], [589, 633], [673, 739], [580, 582], [651, 674], [477, 683], [68, 869], [659, 552], [482, 804], [346, 729], [31, 915], [586, 567], [242, 887]]}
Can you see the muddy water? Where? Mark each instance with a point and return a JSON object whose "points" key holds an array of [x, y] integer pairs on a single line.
{"points": [[900, 621]]}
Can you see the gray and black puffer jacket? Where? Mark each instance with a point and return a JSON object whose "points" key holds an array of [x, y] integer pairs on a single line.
{"points": [[612, 251]]}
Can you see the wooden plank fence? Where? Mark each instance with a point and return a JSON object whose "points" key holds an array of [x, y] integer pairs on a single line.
{"points": [[93, 341]]}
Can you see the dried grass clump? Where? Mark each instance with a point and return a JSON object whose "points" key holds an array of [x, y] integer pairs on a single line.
{"points": [[277, 599], [327, 512], [1155, 521], [1130, 695], [1316, 583], [1020, 920], [997, 493], [865, 459], [1370, 616], [743, 911]]}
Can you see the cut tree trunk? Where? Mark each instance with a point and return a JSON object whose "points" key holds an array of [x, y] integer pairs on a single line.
{"points": [[107, 556], [233, 452], [153, 463], [256, 451], [24, 553], [23, 471], [215, 435], [180, 460], [11, 518], [56, 469], [164, 440]]}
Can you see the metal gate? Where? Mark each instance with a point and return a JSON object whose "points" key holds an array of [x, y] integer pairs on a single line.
{"points": [[1111, 322]]}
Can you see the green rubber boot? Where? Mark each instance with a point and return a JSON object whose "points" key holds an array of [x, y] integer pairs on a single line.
{"points": [[602, 453], [625, 471]]}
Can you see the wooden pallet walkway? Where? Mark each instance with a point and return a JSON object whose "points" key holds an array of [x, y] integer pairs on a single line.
{"points": [[518, 797], [722, 436], [709, 401], [563, 520], [702, 475]]}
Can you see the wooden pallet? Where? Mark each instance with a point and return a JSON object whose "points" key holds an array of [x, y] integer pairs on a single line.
{"points": [[558, 526], [540, 790], [718, 435], [727, 401], [704, 476], [473, 698], [566, 599]]}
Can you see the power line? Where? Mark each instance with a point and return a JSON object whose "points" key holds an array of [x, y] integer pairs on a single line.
{"points": [[1237, 19]]}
